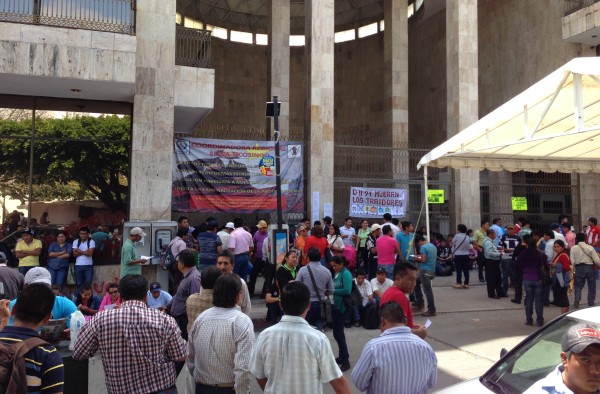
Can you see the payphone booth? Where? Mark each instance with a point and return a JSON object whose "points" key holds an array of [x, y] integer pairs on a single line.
{"points": [[158, 234], [279, 242]]}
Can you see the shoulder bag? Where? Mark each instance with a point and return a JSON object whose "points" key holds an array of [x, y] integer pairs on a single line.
{"points": [[543, 272], [325, 305]]}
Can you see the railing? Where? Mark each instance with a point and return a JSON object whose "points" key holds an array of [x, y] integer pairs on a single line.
{"points": [[192, 47], [572, 6], [117, 16]]}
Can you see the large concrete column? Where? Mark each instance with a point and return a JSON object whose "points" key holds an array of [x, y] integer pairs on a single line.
{"points": [[589, 190], [318, 126], [153, 112], [462, 100], [278, 69], [395, 57]]}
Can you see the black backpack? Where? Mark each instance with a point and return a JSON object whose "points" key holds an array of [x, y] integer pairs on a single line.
{"points": [[166, 258], [13, 377], [370, 317]]}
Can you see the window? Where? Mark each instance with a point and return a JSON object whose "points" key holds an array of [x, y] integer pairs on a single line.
{"points": [[367, 30], [381, 25], [192, 23], [297, 41], [178, 18], [240, 36], [346, 35], [218, 32], [262, 39]]}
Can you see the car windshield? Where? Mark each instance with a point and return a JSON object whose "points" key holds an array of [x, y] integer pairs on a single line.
{"points": [[530, 362]]}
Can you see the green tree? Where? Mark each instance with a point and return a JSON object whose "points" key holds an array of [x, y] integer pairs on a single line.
{"points": [[75, 157]]}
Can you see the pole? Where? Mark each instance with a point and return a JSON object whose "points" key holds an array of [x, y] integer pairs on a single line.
{"points": [[277, 162], [31, 144], [425, 175]]}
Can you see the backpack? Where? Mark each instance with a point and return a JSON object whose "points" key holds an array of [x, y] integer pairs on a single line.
{"points": [[370, 317], [13, 378], [166, 258]]}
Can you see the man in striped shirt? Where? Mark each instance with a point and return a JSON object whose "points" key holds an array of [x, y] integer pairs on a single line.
{"points": [[43, 364], [377, 370]]}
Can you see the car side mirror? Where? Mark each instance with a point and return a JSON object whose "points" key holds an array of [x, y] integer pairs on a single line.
{"points": [[503, 352]]}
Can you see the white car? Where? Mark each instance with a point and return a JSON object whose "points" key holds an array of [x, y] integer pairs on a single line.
{"points": [[531, 360]]}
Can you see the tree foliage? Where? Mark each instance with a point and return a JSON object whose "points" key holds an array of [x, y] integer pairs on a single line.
{"points": [[74, 158]]}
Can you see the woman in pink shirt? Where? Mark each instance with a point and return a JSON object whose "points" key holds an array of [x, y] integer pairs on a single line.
{"points": [[112, 299]]}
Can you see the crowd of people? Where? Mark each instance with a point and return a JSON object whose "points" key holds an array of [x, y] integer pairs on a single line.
{"points": [[376, 276]]}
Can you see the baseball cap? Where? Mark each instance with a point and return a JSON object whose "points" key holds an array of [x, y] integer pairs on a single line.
{"points": [[229, 225], [29, 231], [580, 336], [381, 271], [300, 227], [510, 226], [155, 286], [262, 224], [375, 226], [137, 231], [38, 275], [554, 225], [2, 256]]}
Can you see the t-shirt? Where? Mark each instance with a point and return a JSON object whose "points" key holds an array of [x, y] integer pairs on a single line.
{"points": [[381, 287], [461, 244], [350, 232], [83, 246], [405, 246], [62, 309], [479, 236], [362, 237], [386, 247], [11, 282], [43, 364], [128, 254], [258, 238], [29, 261], [163, 299], [430, 252], [394, 294], [208, 242]]}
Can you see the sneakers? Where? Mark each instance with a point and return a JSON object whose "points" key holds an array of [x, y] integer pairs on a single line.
{"points": [[458, 286], [514, 301], [428, 314], [356, 324], [465, 286]]}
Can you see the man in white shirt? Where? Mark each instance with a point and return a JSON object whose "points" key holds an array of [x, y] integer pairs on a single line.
{"points": [[380, 283], [292, 357], [225, 334], [224, 234], [557, 233], [387, 221], [348, 233], [83, 250], [366, 292]]}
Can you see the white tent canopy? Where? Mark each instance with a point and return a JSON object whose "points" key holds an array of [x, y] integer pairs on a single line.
{"points": [[552, 126]]}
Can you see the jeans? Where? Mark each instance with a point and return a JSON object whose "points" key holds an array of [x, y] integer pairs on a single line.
{"points": [[518, 281], [533, 294], [170, 390], [268, 270], [426, 277], [338, 333], [389, 270], [360, 308], [462, 264], [58, 275], [494, 280], [506, 267], [23, 270], [83, 274], [481, 266], [372, 268], [313, 317], [585, 273], [240, 265]]}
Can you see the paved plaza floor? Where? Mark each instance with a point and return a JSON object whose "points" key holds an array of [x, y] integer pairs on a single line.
{"points": [[467, 334]]}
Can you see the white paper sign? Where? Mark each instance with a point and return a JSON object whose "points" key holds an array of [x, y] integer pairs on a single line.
{"points": [[328, 209], [375, 202], [315, 207]]}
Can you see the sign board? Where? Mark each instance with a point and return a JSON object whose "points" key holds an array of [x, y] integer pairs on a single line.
{"points": [[211, 176], [375, 202], [519, 203], [435, 196]]}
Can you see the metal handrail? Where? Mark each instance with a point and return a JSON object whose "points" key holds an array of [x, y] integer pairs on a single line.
{"points": [[572, 6], [192, 47], [117, 16]]}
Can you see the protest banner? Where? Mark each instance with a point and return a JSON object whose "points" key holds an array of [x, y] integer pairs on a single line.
{"points": [[370, 202]]}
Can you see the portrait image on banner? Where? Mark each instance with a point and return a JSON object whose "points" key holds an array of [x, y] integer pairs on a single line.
{"points": [[211, 175], [375, 202]]}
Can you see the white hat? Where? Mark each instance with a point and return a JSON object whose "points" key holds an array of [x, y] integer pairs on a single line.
{"points": [[229, 225], [375, 226], [137, 231], [38, 275]]}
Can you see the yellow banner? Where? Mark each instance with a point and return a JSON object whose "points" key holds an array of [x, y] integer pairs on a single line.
{"points": [[435, 196], [519, 203]]}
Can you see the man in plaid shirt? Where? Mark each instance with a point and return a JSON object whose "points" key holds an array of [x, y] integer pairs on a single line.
{"points": [[139, 346]]}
